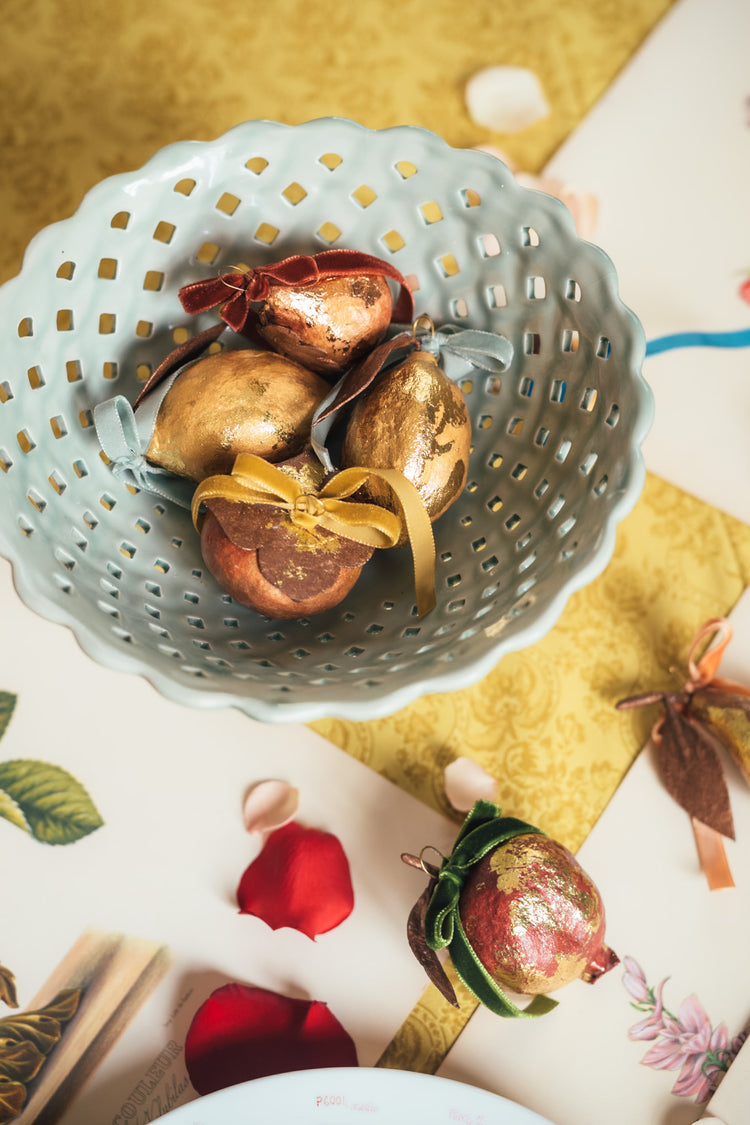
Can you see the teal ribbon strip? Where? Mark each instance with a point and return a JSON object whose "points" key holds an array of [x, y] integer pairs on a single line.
{"points": [[120, 439], [738, 339], [483, 830]]}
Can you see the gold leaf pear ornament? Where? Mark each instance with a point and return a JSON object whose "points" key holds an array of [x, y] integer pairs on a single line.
{"points": [[324, 310], [236, 402], [708, 712], [403, 409], [195, 415]]}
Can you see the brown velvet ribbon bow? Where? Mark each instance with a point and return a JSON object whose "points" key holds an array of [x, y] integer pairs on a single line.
{"points": [[235, 292], [708, 712]]}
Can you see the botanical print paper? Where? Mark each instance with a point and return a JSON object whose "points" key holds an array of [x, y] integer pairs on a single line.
{"points": [[163, 868], [684, 969]]}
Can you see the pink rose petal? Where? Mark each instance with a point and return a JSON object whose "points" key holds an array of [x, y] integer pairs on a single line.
{"points": [[466, 782], [269, 805]]}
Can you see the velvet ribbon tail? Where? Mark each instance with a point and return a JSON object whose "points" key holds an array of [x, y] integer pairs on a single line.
{"points": [[120, 439], [461, 349], [712, 856]]}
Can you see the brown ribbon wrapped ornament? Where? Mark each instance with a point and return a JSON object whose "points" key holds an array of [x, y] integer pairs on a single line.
{"points": [[707, 713]]}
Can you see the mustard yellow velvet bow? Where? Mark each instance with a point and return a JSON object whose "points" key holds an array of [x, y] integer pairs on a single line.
{"points": [[255, 481]]}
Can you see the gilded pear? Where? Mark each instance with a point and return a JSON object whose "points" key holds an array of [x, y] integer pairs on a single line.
{"points": [[234, 402], [328, 324], [414, 419]]}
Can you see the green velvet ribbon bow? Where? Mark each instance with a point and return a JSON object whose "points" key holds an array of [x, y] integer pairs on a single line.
{"points": [[483, 830]]}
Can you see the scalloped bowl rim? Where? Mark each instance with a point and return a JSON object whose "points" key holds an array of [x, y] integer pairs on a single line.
{"points": [[394, 699]]}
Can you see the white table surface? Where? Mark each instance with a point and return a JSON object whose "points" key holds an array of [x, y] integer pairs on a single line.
{"points": [[667, 152]]}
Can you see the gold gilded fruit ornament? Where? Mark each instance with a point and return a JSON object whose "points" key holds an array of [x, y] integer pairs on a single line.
{"points": [[271, 561], [413, 418], [327, 325], [234, 402], [515, 910], [325, 310], [286, 542]]}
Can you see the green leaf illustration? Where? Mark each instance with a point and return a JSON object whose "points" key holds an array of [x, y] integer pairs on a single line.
{"points": [[56, 807], [9, 810], [7, 703]]}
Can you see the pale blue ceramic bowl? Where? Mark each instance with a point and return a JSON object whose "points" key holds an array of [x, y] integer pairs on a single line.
{"points": [[556, 461]]}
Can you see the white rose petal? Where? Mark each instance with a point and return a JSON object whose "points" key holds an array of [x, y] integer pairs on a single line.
{"points": [[270, 805], [466, 782], [505, 99]]}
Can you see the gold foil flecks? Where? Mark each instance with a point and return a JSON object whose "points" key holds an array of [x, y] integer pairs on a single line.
{"points": [[237, 402], [327, 325]]}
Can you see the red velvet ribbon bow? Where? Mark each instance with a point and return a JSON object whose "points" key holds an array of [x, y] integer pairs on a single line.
{"points": [[707, 712], [237, 291]]}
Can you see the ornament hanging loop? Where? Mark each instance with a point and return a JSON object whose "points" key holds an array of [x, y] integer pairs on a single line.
{"points": [[429, 868], [423, 326]]}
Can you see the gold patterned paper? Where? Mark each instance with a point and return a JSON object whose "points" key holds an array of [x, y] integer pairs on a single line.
{"points": [[93, 89], [543, 722]]}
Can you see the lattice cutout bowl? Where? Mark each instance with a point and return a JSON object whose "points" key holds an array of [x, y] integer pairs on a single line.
{"points": [[556, 460]]}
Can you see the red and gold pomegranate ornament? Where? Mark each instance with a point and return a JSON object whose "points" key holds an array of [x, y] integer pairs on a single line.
{"points": [[515, 910], [324, 311]]}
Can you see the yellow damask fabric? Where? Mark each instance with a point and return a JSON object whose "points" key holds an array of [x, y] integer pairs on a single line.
{"points": [[543, 722], [92, 88]]}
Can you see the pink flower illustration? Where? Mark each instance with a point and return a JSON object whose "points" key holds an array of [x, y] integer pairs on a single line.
{"points": [[685, 1042], [634, 980]]}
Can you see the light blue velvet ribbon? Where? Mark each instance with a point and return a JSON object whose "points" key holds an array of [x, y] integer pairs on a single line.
{"points": [[460, 349], [125, 438], [457, 349]]}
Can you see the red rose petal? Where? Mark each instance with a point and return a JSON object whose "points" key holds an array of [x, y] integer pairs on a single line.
{"points": [[300, 879], [242, 1032]]}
